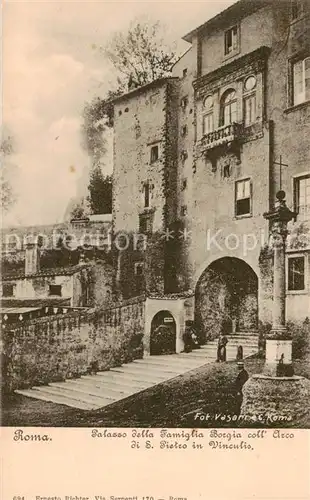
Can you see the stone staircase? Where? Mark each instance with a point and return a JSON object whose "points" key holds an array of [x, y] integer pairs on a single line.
{"points": [[90, 392]]}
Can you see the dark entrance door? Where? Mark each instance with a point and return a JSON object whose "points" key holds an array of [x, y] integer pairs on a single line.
{"points": [[163, 334]]}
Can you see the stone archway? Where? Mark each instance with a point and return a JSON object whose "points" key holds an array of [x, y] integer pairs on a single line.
{"points": [[226, 298], [163, 334]]}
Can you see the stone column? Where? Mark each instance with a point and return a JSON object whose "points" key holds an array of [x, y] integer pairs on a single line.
{"points": [[277, 394], [278, 342]]}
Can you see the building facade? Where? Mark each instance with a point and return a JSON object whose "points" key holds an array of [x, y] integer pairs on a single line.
{"points": [[198, 160]]}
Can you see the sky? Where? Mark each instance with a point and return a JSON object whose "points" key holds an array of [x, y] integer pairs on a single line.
{"points": [[52, 66]]}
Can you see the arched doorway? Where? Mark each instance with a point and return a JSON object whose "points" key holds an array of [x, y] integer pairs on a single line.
{"points": [[163, 334], [226, 299]]}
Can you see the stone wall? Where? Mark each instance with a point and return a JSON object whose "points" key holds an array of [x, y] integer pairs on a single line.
{"points": [[70, 345]]}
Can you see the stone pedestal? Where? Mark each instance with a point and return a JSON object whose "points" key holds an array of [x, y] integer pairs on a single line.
{"points": [[277, 401], [278, 358]]}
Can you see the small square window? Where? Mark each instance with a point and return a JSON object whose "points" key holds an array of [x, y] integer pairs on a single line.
{"points": [[184, 210], [243, 198], [226, 171], [296, 273], [145, 223], [184, 102], [184, 155], [139, 277], [146, 195], [55, 290], [139, 268], [231, 40], [154, 153], [8, 289], [184, 131]]}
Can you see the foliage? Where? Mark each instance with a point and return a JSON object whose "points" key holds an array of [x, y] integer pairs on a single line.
{"points": [[138, 55], [77, 211], [100, 192], [300, 333]]}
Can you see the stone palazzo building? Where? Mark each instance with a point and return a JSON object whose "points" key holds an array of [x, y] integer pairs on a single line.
{"points": [[198, 160]]}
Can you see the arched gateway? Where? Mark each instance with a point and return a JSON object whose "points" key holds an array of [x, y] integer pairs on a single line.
{"points": [[226, 298], [163, 334]]}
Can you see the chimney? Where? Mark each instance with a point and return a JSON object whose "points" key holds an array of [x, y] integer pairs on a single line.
{"points": [[32, 260]]}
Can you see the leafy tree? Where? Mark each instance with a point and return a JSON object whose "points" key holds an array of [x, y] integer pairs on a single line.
{"points": [[77, 211], [140, 56], [100, 192]]}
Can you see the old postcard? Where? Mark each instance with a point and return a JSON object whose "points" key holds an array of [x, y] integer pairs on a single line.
{"points": [[155, 250]]}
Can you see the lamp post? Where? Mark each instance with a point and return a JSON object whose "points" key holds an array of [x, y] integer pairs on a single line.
{"points": [[278, 342]]}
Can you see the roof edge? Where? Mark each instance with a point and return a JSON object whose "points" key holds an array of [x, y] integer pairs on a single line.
{"points": [[139, 90], [247, 6]]}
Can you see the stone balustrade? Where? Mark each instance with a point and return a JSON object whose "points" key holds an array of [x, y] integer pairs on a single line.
{"points": [[222, 135]]}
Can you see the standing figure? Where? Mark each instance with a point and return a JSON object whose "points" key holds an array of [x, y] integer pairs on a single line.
{"points": [[280, 367], [241, 379], [221, 348], [239, 353]]}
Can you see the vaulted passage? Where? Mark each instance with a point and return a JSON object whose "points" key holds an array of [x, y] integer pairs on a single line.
{"points": [[163, 334], [226, 298]]}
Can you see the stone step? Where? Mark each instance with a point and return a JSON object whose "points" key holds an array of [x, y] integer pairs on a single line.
{"points": [[133, 377], [230, 354], [230, 345], [170, 363], [97, 401], [150, 370], [242, 336], [93, 389], [197, 354], [117, 380], [104, 388], [231, 342], [73, 403], [186, 364]]}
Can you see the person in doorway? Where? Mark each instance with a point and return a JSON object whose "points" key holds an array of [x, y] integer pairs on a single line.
{"points": [[221, 348]]}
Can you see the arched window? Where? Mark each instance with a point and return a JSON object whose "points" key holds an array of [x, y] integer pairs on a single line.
{"points": [[228, 108]]}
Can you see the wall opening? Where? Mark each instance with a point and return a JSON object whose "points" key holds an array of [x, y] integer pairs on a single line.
{"points": [[226, 299], [163, 334]]}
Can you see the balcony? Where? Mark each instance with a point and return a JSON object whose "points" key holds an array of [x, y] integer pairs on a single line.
{"points": [[223, 140], [222, 135]]}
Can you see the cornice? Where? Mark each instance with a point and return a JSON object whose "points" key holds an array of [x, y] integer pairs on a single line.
{"points": [[254, 61]]}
